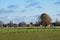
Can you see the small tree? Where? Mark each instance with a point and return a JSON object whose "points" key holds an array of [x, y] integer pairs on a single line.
{"points": [[19, 24], [15, 25], [31, 24], [11, 24], [23, 24]]}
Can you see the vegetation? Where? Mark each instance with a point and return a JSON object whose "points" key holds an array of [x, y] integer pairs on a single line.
{"points": [[11, 24], [5, 30], [30, 34], [1, 23], [23, 31], [45, 19]]}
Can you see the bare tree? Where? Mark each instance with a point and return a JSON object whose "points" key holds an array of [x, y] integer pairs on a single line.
{"points": [[1, 24], [23, 24], [11, 24]]}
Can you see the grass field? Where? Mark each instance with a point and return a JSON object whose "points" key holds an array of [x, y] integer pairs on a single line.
{"points": [[30, 34]]}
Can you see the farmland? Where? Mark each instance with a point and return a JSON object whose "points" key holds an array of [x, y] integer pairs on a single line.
{"points": [[30, 34]]}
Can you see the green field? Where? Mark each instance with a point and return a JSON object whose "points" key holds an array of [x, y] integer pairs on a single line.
{"points": [[30, 34]]}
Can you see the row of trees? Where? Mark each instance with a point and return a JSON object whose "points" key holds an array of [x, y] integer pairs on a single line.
{"points": [[11, 24], [43, 20]]}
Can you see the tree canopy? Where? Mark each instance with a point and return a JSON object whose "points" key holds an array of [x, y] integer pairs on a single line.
{"points": [[45, 19]]}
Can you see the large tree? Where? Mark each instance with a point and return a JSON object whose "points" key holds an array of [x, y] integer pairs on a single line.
{"points": [[45, 19]]}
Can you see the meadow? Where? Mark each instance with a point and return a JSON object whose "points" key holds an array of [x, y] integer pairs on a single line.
{"points": [[30, 34]]}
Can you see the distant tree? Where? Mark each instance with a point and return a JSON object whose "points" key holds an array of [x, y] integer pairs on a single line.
{"points": [[11, 24], [31, 24], [45, 19], [15, 25], [5, 25], [57, 22], [37, 23], [1, 24], [23, 24], [27, 25], [19, 24]]}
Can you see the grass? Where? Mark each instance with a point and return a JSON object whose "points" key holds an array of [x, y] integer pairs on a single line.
{"points": [[4, 30], [30, 34]]}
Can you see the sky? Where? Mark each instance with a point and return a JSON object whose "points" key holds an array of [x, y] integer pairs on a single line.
{"points": [[28, 10]]}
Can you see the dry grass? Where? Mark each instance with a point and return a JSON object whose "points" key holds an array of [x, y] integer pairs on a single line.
{"points": [[50, 35]]}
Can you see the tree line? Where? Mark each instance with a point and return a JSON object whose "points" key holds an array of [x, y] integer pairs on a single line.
{"points": [[44, 20]]}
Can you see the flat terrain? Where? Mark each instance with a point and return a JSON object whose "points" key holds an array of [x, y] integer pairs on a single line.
{"points": [[30, 34]]}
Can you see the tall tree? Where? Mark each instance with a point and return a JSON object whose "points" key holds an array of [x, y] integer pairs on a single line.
{"points": [[1, 23], [11, 24], [45, 19]]}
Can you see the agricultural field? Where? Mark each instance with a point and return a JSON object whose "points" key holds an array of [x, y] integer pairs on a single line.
{"points": [[30, 34]]}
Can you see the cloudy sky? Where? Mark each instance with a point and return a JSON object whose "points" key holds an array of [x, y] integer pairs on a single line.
{"points": [[28, 10]]}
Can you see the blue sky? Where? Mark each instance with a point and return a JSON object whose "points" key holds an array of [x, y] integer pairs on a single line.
{"points": [[28, 10]]}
